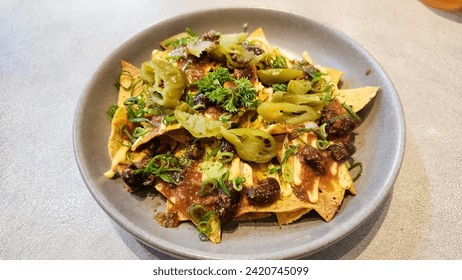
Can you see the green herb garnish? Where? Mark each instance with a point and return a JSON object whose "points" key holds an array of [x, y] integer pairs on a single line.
{"points": [[111, 111], [183, 41], [279, 62], [238, 92], [288, 152]]}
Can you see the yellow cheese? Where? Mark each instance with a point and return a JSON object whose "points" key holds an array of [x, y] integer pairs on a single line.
{"points": [[119, 157], [246, 171]]}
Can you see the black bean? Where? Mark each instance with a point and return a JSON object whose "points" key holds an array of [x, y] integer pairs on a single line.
{"points": [[264, 193]]}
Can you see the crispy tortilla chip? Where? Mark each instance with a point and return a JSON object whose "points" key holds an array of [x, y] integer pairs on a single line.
{"points": [[155, 131], [330, 197], [352, 190], [164, 43], [332, 192], [253, 216], [179, 135], [258, 38], [335, 74], [131, 85], [182, 204], [286, 218], [170, 207], [284, 204], [307, 57], [289, 208], [117, 146], [130, 82], [115, 139], [357, 98]]}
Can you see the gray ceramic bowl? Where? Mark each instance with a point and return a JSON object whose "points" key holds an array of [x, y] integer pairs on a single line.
{"points": [[380, 141]]}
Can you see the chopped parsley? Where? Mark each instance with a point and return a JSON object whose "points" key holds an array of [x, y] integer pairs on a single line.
{"points": [[111, 111], [227, 92]]}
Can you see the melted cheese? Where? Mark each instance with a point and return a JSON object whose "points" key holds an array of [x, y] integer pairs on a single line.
{"points": [[313, 195], [247, 172], [119, 157]]}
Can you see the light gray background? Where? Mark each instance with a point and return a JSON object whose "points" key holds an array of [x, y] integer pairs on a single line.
{"points": [[50, 49]]}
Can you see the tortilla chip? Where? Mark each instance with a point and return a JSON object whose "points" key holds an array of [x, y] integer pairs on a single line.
{"points": [[170, 207], [155, 131], [185, 195], [115, 140], [307, 57], [164, 43], [332, 191], [258, 38], [130, 82], [335, 74], [118, 146], [179, 134], [290, 217], [290, 208], [182, 205], [357, 98], [253, 216]]}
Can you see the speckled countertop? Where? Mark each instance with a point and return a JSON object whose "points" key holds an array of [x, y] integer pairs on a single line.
{"points": [[50, 49]]}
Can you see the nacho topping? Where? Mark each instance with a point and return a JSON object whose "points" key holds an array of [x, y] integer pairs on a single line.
{"points": [[228, 127]]}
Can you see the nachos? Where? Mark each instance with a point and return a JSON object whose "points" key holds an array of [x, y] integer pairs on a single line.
{"points": [[228, 127]]}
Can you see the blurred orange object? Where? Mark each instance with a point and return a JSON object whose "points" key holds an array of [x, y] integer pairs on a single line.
{"points": [[447, 5]]}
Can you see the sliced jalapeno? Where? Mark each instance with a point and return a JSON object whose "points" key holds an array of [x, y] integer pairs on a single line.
{"points": [[168, 82], [298, 99], [251, 144], [285, 112], [198, 125], [277, 76]]}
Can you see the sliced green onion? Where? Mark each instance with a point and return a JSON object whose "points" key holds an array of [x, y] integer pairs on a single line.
{"points": [[208, 186], [202, 217], [196, 212], [225, 157], [288, 152], [132, 139], [140, 131], [274, 169], [117, 83], [322, 144], [351, 111], [212, 153], [169, 119], [226, 117], [354, 166], [238, 183], [222, 181]]}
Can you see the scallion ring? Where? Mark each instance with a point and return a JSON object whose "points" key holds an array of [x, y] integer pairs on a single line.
{"points": [[208, 186]]}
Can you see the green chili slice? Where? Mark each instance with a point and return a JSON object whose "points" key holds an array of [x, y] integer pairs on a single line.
{"points": [[251, 144], [285, 112]]}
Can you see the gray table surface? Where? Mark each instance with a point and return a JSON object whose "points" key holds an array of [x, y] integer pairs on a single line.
{"points": [[50, 49]]}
